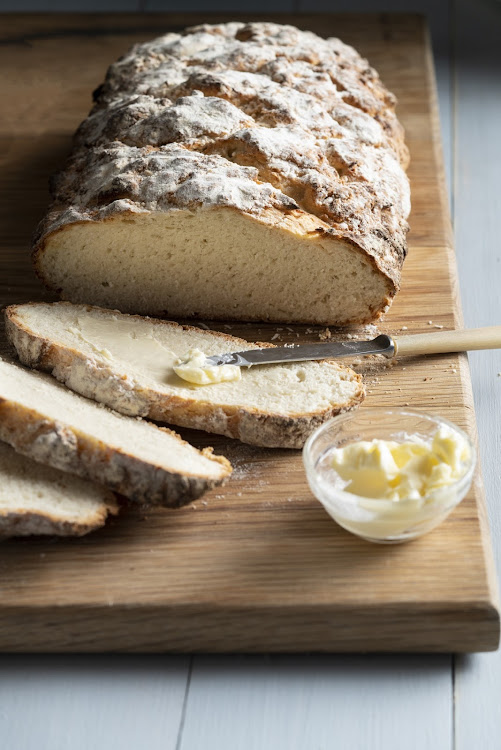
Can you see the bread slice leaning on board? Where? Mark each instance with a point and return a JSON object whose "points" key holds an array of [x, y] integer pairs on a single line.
{"points": [[125, 361], [36, 499], [44, 420], [235, 171]]}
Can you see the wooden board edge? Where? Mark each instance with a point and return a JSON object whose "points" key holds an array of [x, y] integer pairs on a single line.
{"points": [[464, 368], [398, 628], [18, 26]]}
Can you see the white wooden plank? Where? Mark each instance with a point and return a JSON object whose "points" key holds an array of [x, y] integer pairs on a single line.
{"points": [[319, 702], [477, 212], [438, 15], [98, 702], [219, 6], [69, 6]]}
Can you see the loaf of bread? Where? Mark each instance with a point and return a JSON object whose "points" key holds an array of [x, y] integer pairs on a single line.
{"points": [[45, 421], [126, 362], [36, 499], [235, 171]]}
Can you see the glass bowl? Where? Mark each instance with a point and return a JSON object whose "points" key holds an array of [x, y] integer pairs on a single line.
{"points": [[381, 520]]}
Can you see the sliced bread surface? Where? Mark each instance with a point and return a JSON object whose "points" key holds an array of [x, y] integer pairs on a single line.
{"points": [[42, 419], [126, 362], [37, 499]]}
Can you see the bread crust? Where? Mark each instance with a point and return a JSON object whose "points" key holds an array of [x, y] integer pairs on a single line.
{"points": [[31, 523], [95, 379]]}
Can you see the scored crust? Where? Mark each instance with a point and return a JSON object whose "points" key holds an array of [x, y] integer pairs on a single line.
{"points": [[95, 379]]}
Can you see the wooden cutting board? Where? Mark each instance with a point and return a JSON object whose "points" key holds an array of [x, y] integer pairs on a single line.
{"points": [[258, 565]]}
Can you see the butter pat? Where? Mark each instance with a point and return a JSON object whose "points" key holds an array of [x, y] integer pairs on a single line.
{"points": [[194, 369], [396, 471]]}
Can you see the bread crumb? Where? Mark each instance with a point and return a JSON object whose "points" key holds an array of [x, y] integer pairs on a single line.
{"points": [[430, 322], [437, 326], [275, 336], [404, 328], [454, 369], [325, 334]]}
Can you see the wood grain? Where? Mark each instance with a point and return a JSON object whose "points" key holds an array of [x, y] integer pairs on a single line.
{"points": [[258, 565]]}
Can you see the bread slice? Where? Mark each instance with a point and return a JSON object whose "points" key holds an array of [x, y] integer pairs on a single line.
{"points": [[36, 499], [125, 361], [42, 419]]}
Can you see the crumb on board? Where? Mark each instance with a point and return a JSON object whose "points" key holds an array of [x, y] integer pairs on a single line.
{"points": [[404, 328]]}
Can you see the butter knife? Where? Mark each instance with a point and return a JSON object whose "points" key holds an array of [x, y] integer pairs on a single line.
{"points": [[439, 342]]}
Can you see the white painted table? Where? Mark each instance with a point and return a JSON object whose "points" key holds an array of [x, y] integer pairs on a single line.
{"points": [[318, 702]]}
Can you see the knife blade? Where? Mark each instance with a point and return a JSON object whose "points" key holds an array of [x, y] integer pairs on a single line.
{"points": [[382, 344]]}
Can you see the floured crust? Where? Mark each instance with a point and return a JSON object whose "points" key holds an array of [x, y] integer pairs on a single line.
{"points": [[96, 379], [265, 119]]}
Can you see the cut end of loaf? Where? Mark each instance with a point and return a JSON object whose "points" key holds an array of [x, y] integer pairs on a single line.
{"points": [[218, 264]]}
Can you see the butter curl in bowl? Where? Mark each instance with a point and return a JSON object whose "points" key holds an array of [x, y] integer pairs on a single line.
{"points": [[389, 475]]}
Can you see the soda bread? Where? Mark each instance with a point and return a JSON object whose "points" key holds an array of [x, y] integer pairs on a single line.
{"points": [[126, 362], [42, 419], [36, 499], [235, 171]]}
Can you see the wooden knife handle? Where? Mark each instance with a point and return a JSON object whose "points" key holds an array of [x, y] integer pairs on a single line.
{"points": [[440, 342]]}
